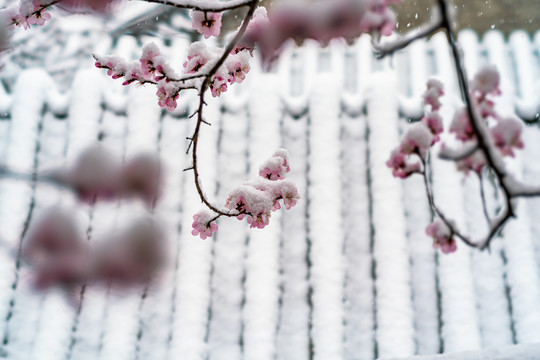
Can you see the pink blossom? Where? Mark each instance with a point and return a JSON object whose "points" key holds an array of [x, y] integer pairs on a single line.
{"points": [[486, 81], [206, 23], [273, 168], [197, 56], [202, 225], [461, 126], [507, 135], [39, 15], [474, 162], [434, 122], [442, 236], [237, 67], [218, 85], [256, 204], [148, 57], [434, 91], [167, 96], [401, 165], [418, 139]]}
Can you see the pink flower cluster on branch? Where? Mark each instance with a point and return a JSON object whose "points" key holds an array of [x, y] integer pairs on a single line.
{"points": [[504, 134], [255, 200]]}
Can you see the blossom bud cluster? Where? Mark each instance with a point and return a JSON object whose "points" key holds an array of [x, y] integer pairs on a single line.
{"points": [[59, 254], [256, 199], [505, 131], [442, 236], [98, 175], [420, 136]]}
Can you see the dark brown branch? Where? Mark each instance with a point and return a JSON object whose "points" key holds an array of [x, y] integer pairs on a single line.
{"points": [[215, 7], [205, 85]]}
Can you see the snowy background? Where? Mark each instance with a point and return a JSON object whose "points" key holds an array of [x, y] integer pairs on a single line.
{"points": [[348, 273]]}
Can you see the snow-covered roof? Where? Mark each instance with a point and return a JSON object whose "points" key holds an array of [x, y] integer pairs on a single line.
{"points": [[347, 274]]}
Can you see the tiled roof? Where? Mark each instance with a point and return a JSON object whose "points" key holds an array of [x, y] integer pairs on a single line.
{"points": [[348, 273]]}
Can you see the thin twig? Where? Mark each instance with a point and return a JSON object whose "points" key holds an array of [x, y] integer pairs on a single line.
{"points": [[203, 6]]}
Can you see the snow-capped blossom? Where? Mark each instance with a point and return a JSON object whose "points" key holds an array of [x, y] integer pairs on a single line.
{"points": [[461, 126], [486, 81], [275, 167], [142, 176], [434, 91], [442, 236], [237, 66], [116, 66], [417, 139], [149, 56], [278, 190], [198, 55], [254, 203], [202, 224], [507, 135], [167, 95], [218, 85], [133, 73], [474, 162], [206, 23], [434, 122], [401, 164]]}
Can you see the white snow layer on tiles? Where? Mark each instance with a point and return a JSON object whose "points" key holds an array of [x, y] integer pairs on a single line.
{"points": [[527, 102], [156, 313], [521, 269], [193, 276], [225, 328], [26, 115], [394, 316], [293, 331], [324, 219], [460, 329], [521, 352], [260, 313], [358, 296], [423, 264]]}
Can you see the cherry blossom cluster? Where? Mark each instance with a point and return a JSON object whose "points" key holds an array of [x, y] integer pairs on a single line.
{"points": [[98, 175], [153, 68], [420, 136], [504, 133], [60, 255], [255, 200]]}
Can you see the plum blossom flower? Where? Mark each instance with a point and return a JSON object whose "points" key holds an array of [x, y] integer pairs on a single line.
{"points": [[474, 162], [461, 126], [197, 56], [39, 16], [202, 224], [434, 122], [206, 23], [167, 96], [237, 67], [276, 167], [148, 57], [507, 135], [417, 139], [218, 85], [486, 81], [401, 165], [442, 236], [435, 89]]}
